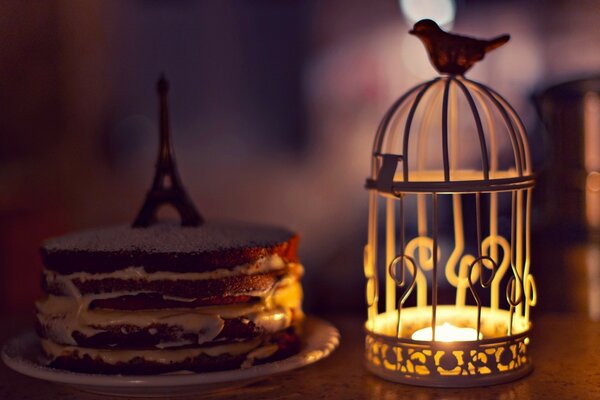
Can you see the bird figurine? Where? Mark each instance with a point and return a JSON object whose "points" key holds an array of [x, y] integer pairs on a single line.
{"points": [[450, 53]]}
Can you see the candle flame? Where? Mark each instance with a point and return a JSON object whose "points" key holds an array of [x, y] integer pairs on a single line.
{"points": [[446, 333]]}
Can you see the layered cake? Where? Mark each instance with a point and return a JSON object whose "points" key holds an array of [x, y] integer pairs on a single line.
{"points": [[124, 300]]}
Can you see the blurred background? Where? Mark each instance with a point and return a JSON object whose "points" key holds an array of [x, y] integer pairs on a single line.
{"points": [[274, 106]]}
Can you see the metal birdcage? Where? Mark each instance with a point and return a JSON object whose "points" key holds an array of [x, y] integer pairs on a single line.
{"points": [[449, 238]]}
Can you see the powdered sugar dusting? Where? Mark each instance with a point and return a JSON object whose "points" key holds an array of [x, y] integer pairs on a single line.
{"points": [[170, 237]]}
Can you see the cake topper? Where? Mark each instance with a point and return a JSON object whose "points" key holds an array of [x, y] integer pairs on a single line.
{"points": [[166, 187], [450, 53]]}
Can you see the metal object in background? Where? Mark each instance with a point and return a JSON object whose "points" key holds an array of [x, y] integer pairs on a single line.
{"points": [[570, 188], [571, 178]]}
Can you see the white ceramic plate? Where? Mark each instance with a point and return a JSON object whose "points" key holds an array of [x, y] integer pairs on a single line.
{"points": [[23, 354]]}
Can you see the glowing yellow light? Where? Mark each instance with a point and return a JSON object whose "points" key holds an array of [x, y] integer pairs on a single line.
{"points": [[446, 333]]}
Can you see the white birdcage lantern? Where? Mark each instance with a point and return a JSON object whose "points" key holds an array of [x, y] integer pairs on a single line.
{"points": [[449, 239]]}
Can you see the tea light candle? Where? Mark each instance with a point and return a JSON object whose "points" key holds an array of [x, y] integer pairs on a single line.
{"points": [[446, 333]]}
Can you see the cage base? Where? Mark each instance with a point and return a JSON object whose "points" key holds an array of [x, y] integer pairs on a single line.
{"points": [[452, 365], [451, 381]]}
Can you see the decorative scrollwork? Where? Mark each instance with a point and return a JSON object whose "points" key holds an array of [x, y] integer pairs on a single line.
{"points": [[422, 245], [401, 282], [485, 283], [514, 296], [489, 248], [530, 295]]}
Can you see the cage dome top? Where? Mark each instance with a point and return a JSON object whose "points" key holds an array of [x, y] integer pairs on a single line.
{"points": [[451, 134]]}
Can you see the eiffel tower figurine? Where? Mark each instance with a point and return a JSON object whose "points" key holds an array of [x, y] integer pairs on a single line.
{"points": [[166, 187]]}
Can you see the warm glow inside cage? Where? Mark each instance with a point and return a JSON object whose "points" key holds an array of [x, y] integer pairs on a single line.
{"points": [[449, 239]]}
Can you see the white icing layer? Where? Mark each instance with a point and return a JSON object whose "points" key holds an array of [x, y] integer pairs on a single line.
{"points": [[62, 315], [262, 265], [108, 356], [259, 354]]}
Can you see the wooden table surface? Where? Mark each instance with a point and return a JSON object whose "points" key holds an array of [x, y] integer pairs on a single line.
{"points": [[565, 349]]}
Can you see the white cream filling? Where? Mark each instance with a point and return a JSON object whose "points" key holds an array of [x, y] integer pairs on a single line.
{"points": [[160, 356], [259, 354], [262, 265], [63, 315]]}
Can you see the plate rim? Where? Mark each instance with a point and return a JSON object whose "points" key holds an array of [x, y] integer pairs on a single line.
{"points": [[320, 339]]}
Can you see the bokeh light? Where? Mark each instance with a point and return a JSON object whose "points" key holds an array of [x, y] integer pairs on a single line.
{"points": [[441, 11]]}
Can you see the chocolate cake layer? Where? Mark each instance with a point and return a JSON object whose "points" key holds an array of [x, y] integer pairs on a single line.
{"points": [[189, 289], [151, 362], [152, 336], [144, 301], [167, 247]]}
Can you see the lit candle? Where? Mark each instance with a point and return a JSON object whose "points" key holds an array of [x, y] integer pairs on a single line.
{"points": [[446, 333]]}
